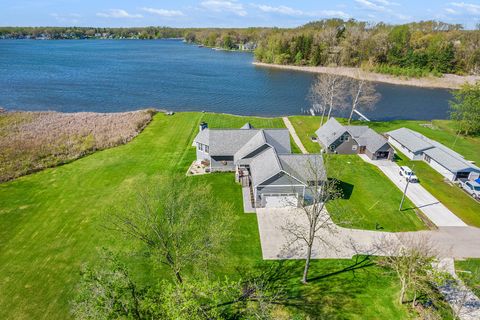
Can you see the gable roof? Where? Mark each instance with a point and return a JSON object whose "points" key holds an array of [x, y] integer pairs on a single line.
{"points": [[410, 139], [265, 165], [330, 132], [247, 126], [356, 131], [279, 139], [257, 141], [372, 140], [450, 162], [303, 167]]}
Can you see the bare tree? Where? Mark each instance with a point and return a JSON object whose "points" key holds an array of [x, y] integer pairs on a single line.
{"points": [[182, 225], [327, 93], [362, 94], [411, 259], [320, 191]]}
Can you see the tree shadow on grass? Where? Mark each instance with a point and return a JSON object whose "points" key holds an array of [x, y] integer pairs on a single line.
{"points": [[346, 188], [332, 290]]}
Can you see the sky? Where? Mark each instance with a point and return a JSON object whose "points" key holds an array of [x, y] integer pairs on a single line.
{"points": [[229, 13]]}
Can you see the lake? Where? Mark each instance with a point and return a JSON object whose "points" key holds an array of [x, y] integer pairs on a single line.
{"points": [[119, 75]]}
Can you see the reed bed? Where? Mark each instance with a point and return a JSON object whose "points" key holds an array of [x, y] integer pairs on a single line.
{"points": [[31, 141]]}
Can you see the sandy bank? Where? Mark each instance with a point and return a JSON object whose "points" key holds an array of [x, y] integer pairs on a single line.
{"points": [[448, 81]]}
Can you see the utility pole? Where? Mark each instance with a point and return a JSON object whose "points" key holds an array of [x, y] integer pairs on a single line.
{"points": [[405, 191]]}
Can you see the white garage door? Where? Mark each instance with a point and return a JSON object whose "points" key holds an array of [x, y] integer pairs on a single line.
{"points": [[280, 201]]}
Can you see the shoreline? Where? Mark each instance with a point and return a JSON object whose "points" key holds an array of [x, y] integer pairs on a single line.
{"points": [[448, 81], [4, 111]]}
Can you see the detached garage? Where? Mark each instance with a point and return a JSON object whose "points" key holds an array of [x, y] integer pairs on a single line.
{"points": [[448, 165], [445, 161], [409, 143]]}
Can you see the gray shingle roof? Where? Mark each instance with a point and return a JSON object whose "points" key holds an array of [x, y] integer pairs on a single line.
{"points": [[279, 139], [410, 139], [372, 140], [247, 126], [304, 167], [257, 141], [329, 132], [356, 131], [449, 161], [224, 142], [332, 130], [264, 166]]}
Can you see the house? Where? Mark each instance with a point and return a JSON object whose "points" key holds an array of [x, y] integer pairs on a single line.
{"points": [[263, 162], [336, 138], [444, 160]]}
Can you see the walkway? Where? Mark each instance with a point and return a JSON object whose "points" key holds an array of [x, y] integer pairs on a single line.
{"points": [[440, 215], [292, 131], [455, 242]]}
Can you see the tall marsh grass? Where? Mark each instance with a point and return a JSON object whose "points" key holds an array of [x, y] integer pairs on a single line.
{"points": [[31, 141]]}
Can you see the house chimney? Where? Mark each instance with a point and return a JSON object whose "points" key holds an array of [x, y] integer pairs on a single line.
{"points": [[203, 126]]}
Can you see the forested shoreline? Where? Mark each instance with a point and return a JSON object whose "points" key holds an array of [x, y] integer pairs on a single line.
{"points": [[414, 50]]}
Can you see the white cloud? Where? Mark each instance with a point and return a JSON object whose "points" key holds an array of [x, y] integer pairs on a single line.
{"points": [[470, 8], [371, 5], [66, 17], [164, 12], [280, 9], [382, 6], [224, 6], [118, 13], [284, 10], [451, 11]]}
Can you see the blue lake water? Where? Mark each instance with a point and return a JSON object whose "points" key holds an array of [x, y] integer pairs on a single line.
{"points": [[119, 75]]}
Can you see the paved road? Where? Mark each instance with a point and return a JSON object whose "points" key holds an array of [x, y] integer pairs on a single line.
{"points": [[455, 242], [440, 215], [292, 131]]}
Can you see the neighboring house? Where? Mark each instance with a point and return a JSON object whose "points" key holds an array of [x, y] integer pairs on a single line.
{"points": [[447, 162], [336, 138], [263, 161]]}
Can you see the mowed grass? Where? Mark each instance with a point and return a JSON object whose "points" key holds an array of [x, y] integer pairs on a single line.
{"points": [[442, 131], [370, 200], [469, 271], [52, 223]]}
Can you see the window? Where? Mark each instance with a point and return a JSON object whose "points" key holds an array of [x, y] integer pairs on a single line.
{"points": [[354, 147], [206, 149]]}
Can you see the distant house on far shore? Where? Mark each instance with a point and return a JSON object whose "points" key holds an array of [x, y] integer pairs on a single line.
{"points": [[336, 138]]}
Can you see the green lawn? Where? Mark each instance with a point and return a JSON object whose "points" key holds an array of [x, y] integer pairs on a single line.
{"points": [[371, 200], [442, 131], [469, 271], [459, 202], [52, 224]]}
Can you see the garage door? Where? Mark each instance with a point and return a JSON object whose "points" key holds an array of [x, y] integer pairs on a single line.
{"points": [[280, 201]]}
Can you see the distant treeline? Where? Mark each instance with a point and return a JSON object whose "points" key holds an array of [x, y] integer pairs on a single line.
{"points": [[414, 49]]}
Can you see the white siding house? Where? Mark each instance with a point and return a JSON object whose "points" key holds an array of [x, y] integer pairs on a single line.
{"points": [[410, 154], [445, 161]]}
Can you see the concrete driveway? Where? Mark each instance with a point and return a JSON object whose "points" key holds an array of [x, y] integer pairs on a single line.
{"points": [[338, 242], [440, 215]]}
